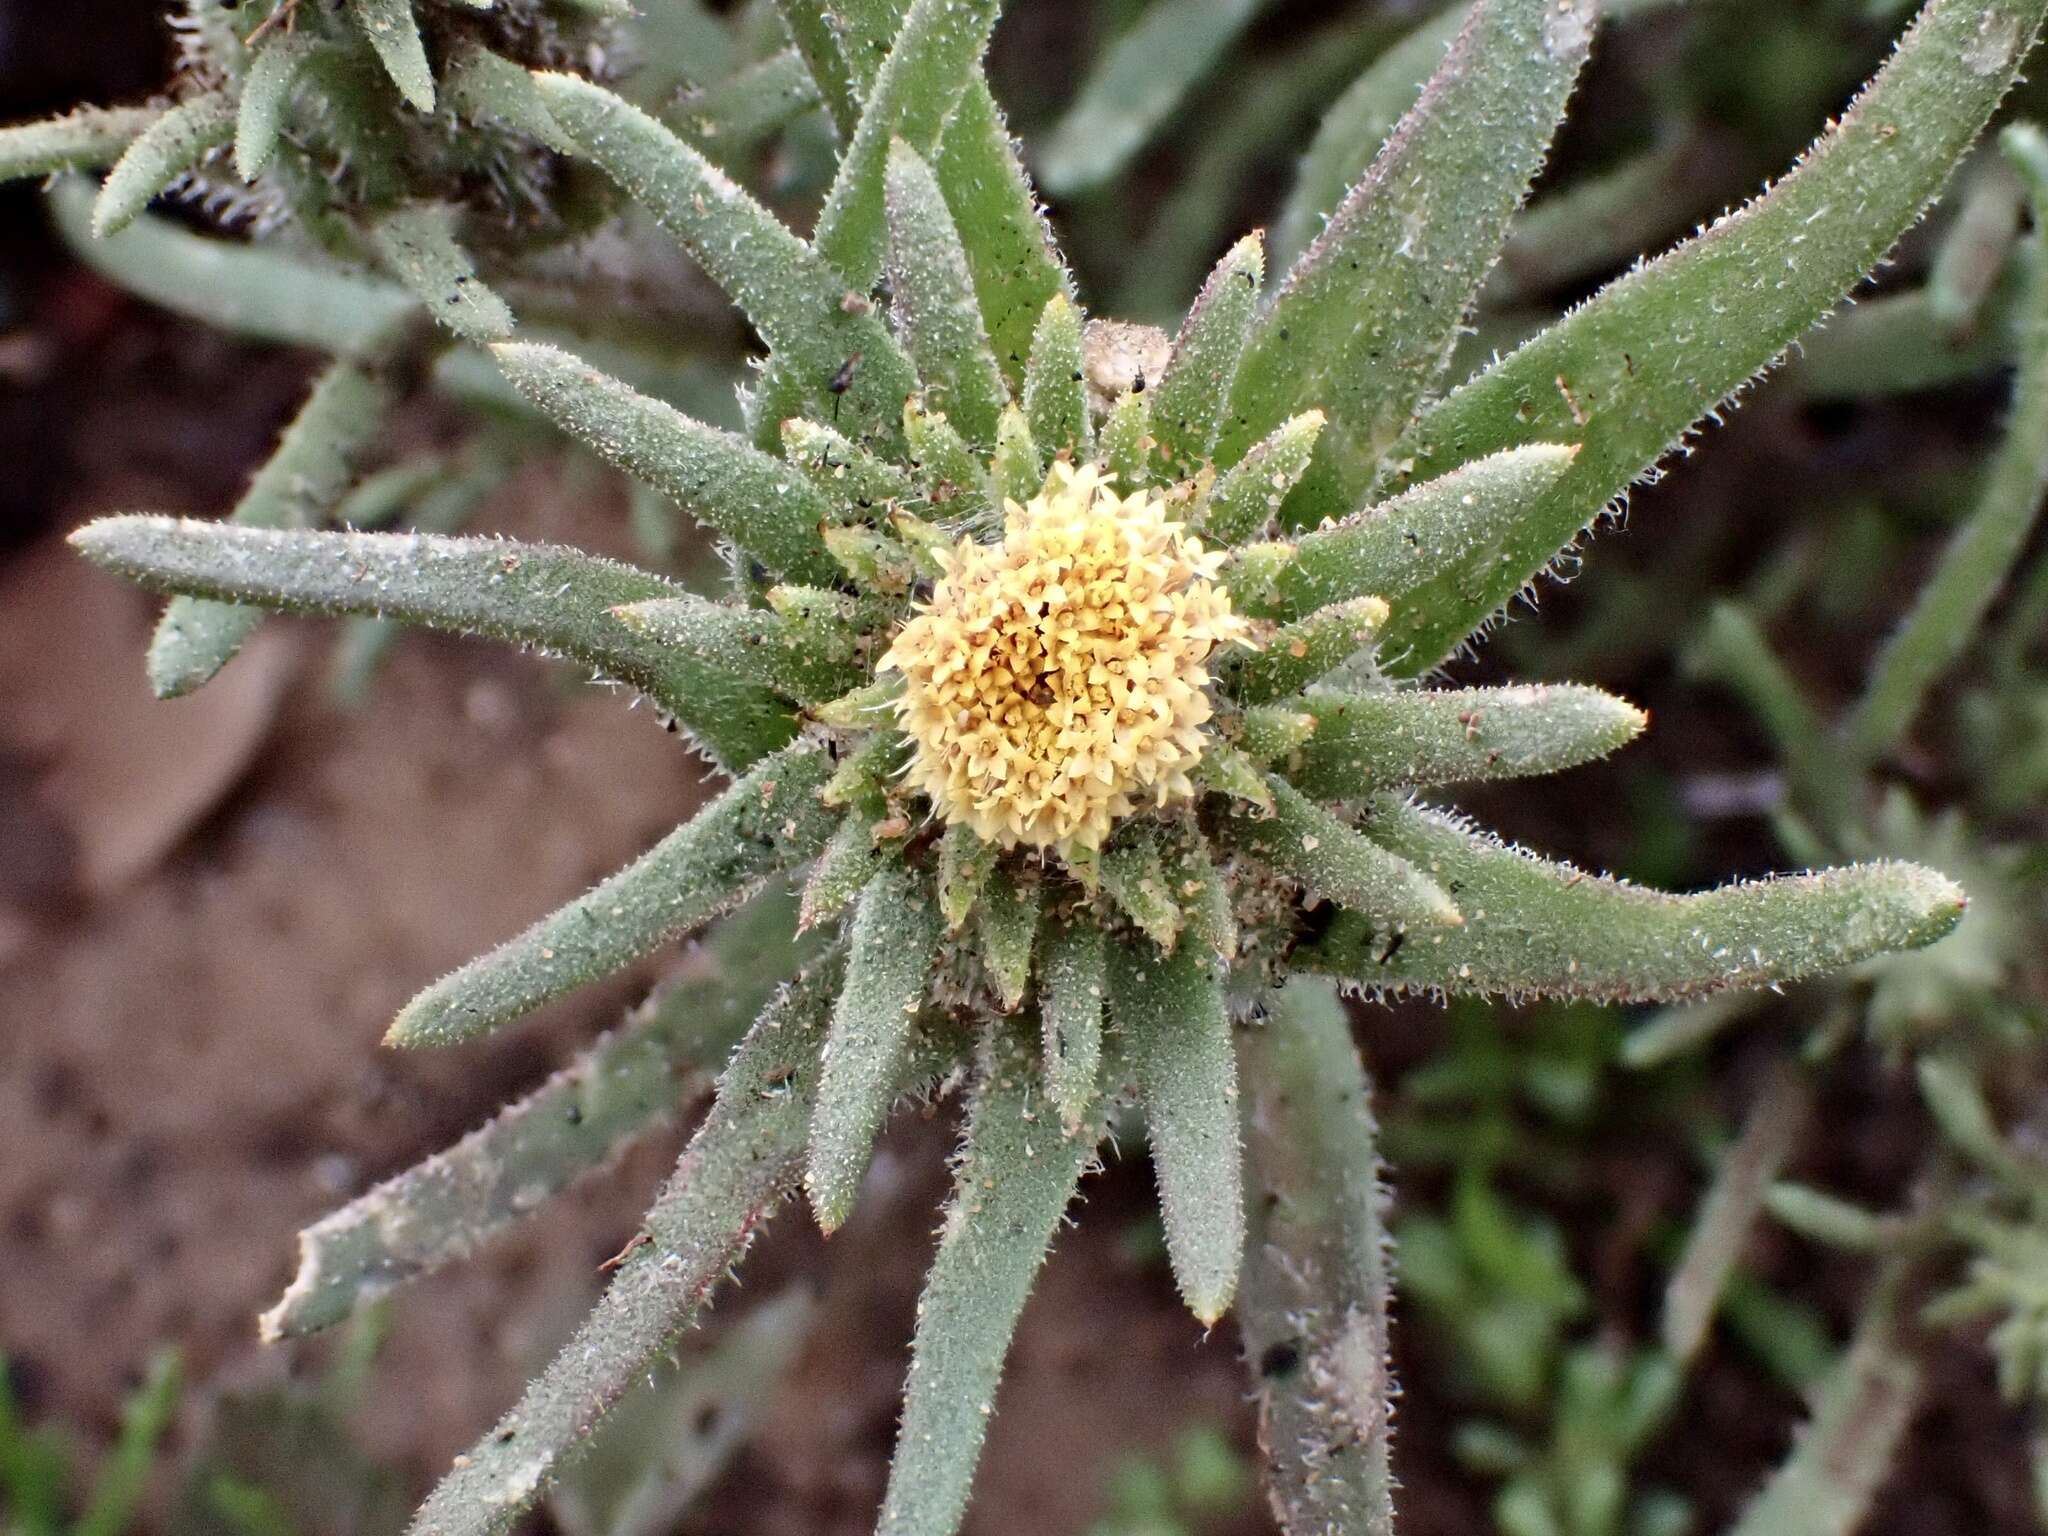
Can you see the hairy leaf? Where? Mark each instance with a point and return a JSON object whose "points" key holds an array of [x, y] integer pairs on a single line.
{"points": [[419, 246], [1331, 862], [1055, 389], [171, 146], [1187, 408], [83, 140], [1008, 925], [1295, 655], [395, 35], [1246, 500], [266, 95], [1071, 990], [932, 300]]}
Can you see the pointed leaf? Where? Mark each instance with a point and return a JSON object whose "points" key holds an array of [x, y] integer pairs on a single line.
{"points": [[1628, 372], [763, 506], [420, 249], [1364, 323], [1192, 393], [965, 863], [485, 87], [791, 295], [810, 658], [895, 938], [559, 600], [729, 116], [931, 296], [1369, 741], [842, 872], [1245, 503], [1010, 250], [955, 480], [1297, 654], [1136, 84], [1316, 1282], [1134, 875], [935, 54], [395, 36], [83, 140], [1538, 928], [811, 27], [1331, 862], [1008, 924], [266, 95], [1016, 1176], [861, 487], [171, 146], [1016, 472], [1055, 388], [1125, 445], [768, 821], [642, 1076], [1169, 1010], [301, 483], [1071, 988]]}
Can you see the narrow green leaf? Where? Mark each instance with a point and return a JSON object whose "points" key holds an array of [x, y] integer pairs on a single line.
{"points": [[1839, 1462], [1169, 1011], [729, 116], [895, 938], [740, 1165], [1331, 862], [1125, 445], [83, 140], [931, 297], [1824, 1218], [1316, 1282], [768, 821], [935, 54], [807, 661], [1297, 654], [301, 483], [395, 37], [1245, 503], [1979, 559], [1017, 268], [1533, 927], [1198, 885], [485, 87], [1008, 925], [1268, 733], [642, 1076], [1365, 321], [420, 248], [1632, 369], [1357, 124], [1071, 989], [558, 600], [1188, 406], [791, 295], [955, 479], [810, 27], [1420, 551], [146, 1417], [861, 487], [1225, 770], [1016, 472], [1016, 1175], [170, 147], [965, 863], [843, 870], [1055, 389], [1743, 1173], [763, 506], [266, 96], [1135, 85], [245, 290], [1134, 875], [1369, 741], [1955, 1097]]}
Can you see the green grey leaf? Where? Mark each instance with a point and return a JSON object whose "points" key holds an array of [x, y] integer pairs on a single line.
{"points": [[485, 87], [83, 140], [395, 36], [811, 28], [1331, 862], [1134, 876], [1008, 924], [1627, 373], [1055, 389], [170, 147], [791, 295], [1071, 988], [1369, 741], [1316, 1284], [1188, 406], [266, 95], [1246, 500], [559, 600], [933, 303], [729, 116], [1123, 447], [895, 938], [1533, 927], [1169, 1010], [1015, 1178], [1364, 323], [808, 660], [762, 505], [1297, 654], [419, 246]]}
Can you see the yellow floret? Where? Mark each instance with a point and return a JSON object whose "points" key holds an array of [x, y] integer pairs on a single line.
{"points": [[1056, 681]]}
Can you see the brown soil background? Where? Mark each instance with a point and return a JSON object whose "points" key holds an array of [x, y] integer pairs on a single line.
{"points": [[209, 910]]}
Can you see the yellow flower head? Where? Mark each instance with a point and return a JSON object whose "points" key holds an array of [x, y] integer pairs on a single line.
{"points": [[1055, 681]]}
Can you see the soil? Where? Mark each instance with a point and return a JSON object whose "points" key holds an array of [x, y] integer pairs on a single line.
{"points": [[210, 909]]}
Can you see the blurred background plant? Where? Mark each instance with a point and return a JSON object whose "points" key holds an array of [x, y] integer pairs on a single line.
{"points": [[1563, 1332]]}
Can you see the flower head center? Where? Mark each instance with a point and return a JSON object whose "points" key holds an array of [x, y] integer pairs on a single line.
{"points": [[1056, 681]]}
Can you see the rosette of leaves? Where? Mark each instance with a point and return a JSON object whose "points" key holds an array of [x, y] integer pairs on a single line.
{"points": [[1076, 673]]}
